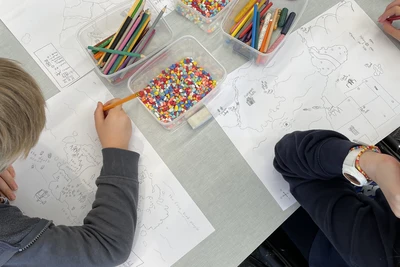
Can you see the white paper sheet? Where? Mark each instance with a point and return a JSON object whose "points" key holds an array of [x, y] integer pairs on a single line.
{"points": [[48, 31], [57, 180], [337, 72]]}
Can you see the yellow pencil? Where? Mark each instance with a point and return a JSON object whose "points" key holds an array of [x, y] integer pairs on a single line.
{"points": [[249, 14], [246, 8]]}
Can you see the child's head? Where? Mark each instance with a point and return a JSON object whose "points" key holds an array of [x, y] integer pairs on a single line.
{"points": [[22, 112]]}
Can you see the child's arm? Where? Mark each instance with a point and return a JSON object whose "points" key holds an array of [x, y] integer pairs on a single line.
{"points": [[106, 237], [361, 229]]}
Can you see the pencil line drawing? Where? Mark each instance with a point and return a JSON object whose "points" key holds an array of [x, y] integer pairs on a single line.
{"points": [[317, 83]]}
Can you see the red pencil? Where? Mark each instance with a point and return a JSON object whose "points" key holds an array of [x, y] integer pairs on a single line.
{"points": [[393, 18]]}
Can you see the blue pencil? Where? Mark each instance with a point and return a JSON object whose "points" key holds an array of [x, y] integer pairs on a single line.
{"points": [[254, 27], [257, 29]]}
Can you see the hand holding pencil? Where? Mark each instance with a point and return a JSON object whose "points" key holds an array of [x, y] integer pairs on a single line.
{"points": [[392, 13], [114, 127]]}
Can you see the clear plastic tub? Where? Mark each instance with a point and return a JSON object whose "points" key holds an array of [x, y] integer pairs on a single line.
{"points": [[208, 25], [106, 24], [186, 46], [237, 46]]}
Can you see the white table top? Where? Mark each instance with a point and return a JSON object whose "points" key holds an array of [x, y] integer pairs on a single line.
{"points": [[205, 161]]}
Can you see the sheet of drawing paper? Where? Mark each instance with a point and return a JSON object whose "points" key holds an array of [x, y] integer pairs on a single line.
{"points": [[48, 31], [57, 180], [337, 72]]}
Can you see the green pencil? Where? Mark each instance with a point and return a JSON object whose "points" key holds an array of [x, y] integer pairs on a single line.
{"points": [[111, 51]]}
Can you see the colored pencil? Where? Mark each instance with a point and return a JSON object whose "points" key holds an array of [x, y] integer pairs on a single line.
{"points": [[277, 19], [284, 31], [143, 24], [105, 42], [257, 30], [243, 22], [260, 5], [245, 9], [268, 35], [121, 101], [111, 51], [132, 24], [393, 18], [254, 28], [126, 60], [263, 12], [264, 28], [144, 41], [110, 63], [127, 74], [120, 32]]}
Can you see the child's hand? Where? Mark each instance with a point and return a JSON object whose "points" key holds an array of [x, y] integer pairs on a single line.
{"points": [[391, 10], [113, 127], [7, 183]]}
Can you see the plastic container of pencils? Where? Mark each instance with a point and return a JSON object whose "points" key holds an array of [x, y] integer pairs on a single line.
{"points": [[183, 48], [207, 24], [247, 51], [108, 23]]}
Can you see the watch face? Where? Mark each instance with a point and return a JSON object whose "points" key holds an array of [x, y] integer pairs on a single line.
{"points": [[351, 179]]}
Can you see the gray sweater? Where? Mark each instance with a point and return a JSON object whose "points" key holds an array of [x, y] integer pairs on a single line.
{"points": [[104, 239]]}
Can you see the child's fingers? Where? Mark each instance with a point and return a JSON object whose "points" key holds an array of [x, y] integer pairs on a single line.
{"points": [[6, 190], [9, 179], [394, 11], [394, 3], [388, 28], [12, 171], [99, 115]]}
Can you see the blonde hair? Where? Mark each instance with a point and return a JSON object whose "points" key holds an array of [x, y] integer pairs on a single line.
{"points": [[22, 112]]}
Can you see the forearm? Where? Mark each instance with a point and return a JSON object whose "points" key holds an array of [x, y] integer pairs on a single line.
{"points": [[311, 155]]}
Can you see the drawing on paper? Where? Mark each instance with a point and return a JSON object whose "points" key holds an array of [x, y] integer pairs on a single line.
{"points": [[62, 169], [319, 82]]}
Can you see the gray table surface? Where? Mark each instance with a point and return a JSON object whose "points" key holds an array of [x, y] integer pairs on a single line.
{"points": [[205, 161]]}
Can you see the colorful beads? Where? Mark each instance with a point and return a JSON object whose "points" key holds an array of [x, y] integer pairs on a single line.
{"points": [[207, 8], [176, 89]]}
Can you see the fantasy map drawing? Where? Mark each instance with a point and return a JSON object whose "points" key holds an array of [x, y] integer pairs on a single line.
{"points": [[328, 75]]}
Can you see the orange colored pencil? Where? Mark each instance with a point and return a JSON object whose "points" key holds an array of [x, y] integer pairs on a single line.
{"points": [[122, 101], [264, 42]]}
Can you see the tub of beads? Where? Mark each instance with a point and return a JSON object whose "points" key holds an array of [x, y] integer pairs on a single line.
{"points": [[207, 14], [178, 81]]}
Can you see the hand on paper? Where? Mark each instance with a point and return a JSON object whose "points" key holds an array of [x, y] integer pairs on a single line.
{"points": [[114, 127], [392, 9], [7, 183], [385, 171]]}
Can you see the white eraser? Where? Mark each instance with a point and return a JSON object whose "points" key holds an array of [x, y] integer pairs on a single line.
{"points": [[199, 118]]}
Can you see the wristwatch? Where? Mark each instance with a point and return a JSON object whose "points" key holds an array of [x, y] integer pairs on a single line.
{"points": [[351, 166]]}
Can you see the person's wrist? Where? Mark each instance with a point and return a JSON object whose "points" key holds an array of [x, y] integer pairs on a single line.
{"points": [[114, 145], [370, 162]]}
